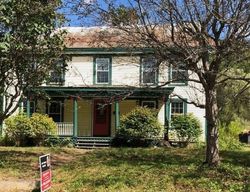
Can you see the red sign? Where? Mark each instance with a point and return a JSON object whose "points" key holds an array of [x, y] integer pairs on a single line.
{"points": [[45, 172]]}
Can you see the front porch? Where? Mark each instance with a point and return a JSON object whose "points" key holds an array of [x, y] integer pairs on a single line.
{"points": [[65, 129], [95, 112]]}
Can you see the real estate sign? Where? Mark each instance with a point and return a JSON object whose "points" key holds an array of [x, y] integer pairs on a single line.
{"points": [[45, 172]]}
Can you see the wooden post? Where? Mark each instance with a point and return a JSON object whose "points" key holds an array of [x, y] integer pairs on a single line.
{"points": [[166, 117], [1, 111], [75, 117], [20, 105], [117, 115], [28, 107]]}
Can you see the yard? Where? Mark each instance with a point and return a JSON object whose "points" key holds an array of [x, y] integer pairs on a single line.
{"points": [[129, 169]]}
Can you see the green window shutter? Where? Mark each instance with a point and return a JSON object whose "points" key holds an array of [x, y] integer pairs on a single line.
{"points": [[185, 107]]}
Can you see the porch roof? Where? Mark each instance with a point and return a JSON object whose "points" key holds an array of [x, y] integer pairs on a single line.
{"points": [[102, 92]]}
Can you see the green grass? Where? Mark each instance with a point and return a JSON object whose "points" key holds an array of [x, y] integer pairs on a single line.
{"points": [[131, 169]]}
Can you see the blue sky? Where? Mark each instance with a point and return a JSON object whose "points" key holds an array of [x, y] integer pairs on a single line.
{"points": [[75, 21]]}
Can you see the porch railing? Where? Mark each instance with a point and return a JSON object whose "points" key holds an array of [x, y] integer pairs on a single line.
{"points": [[64, 128]]}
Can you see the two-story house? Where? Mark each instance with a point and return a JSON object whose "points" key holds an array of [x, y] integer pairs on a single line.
{"points": [[101, 83]]}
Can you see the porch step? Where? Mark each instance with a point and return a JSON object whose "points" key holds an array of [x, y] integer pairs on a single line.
{"points": [[93, 142]]}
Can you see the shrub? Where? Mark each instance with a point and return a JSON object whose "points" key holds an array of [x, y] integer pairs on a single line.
{"points": [[139, 127], [41, 126], [187, 128], [18, 129], [59, 142], [5, 141], [229, 135], [24, 131]]}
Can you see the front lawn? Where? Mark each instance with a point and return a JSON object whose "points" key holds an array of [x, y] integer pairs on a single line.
{"points": [[130, 169]]}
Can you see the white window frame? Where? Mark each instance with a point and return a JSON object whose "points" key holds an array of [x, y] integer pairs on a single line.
{"points": [[98, 70]]}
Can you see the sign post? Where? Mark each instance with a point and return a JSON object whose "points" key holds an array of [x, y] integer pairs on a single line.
{"points": [[45, 172]]}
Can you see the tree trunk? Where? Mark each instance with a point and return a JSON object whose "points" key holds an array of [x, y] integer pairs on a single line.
{"points": [[1, 127], [212, 148]]}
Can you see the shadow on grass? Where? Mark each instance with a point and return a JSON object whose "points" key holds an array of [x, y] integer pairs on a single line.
{"points": [[16, 159], [129, 168], [239, 158], [24, 159], [151, 157], [161, 156]]}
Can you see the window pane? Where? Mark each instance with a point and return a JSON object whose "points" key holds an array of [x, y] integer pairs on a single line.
{"points": [[102, 77], [54, 108], [148, 77], [55, 77], [149, 104], [32, 107], [149, 62], [102, 64]]}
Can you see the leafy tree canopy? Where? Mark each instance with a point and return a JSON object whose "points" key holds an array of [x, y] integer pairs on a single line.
{"points": [[29, 46]]}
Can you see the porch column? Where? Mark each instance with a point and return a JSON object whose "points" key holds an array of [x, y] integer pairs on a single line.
{"points": [[117, 115], [75, 117], [1, 111], [20, 105], [166, 117], [28, 107]]}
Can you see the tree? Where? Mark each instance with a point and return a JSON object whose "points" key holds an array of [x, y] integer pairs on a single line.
{"points": [[234, 97], [30, 46], [207, 37]]}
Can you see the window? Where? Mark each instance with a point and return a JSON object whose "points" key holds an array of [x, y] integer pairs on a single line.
{"points": [[178, 74], [178, 107], [54, 109], [32, 107], [103, 70], [57, 74], [149, 104], [149, 70]]}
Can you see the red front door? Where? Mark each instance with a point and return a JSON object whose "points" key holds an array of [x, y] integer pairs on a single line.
{"points": [[101, 125]]}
